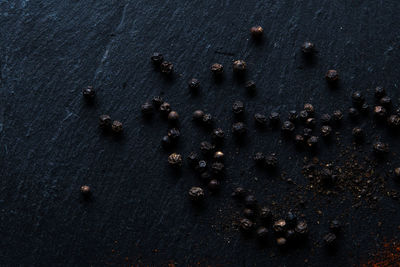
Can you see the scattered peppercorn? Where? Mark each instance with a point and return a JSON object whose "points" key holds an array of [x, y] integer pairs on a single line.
{"points": [[198, 115], [260, 119], [250, 201], [326, 119], [250, 86], [147, 109], [386, 101], [379, 112], [165, 108], [312, 142], [219, 156], [174, 134], [280, 226], [380, 92], [337, 115], [166, 141], [214, 185], [330, 239], [117, 127], [290, 235], [265, 214], [201, 166], [271, 161], [326, 130], [193, 159], [105, 122], [157, 101], [218, 135], [332, 76], [292, 116], [309, 108], [291, 219], [239, 193], [303, 115], [196, 193], [239, 66], [173, 117], [175, 160], [310, 122], [288, 127], [353, 113], [217, 69], [274, 118], [248, 213], [262, 233], [217, 168], [206, 147], [239, 129], [166, 67], [358, 98], [85, 190], [207, 119], [358, 133], [281, 242], [246, 225], [194, 84], [256, 32], [397, 172], [205, 176], [380, 148], [307, 132], [394, 121], [238, 107], [157, 59], [88, 92], [299, 139], [335, 226], [301, 228], [259, 158], [308, 48], [364, 108]]}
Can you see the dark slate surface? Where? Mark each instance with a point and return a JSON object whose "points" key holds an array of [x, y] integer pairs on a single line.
{"points": [[50, 142]]}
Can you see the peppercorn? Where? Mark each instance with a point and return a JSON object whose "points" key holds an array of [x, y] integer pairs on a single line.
{"points": [[397, 172], [157, 101], [292, 115], [206, 147], [205, 176], [364, 108], [248, 213], [217, 168], [326, 175], [332, 76], [194, 84], [326, 130], [207, 119], [303, 115], [330, 239], [288, 127], [239, 66], [88, 92], [256, 32], [166, 67], [165, 108], [380, 148], [326, 119], [174, 134], [358, 98], [271, 161], [262, 233], [85, 190], [166, 141], [198, 115], [218, 135], [217, 69], [173, 117], [301, 228], [259, 158], [175, 160], [193, 159], [312, 142], [274, 118], [299, 139], [394, 121], [219, 156], [279, 226], [147, 109], [353, 113], [246, 225], [250, 86], [290, 235], [386, 101], [265, 214], [250, 201], [117, 127], [379, 112], [201, 166], [380, 92], [337, 115], [196, 193], [307, 132], [309, 108], [358, 133], [334, 226], [105, 122], [214, 185], [157, 59], [291, 219], [308, 48], [310, 122], [239, 129], [239, 193], [238, 107], [260, 119], [281, 242]]}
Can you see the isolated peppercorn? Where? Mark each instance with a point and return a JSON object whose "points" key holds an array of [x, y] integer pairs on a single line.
{"points": [[308, 48], [380, 112], [166, 67], [207, 119], [288, 127], [256, 32], [194, 84], [326, 130], [217, 69], [386, 101], [380, 92], [217, 168], [337, 115], [307, 132], [332, 76], [271, 161], [311, 122], [117, 127], [248, 213], [214, 185], [358, 133], [265, 214], [157, 59], [260, 119], [290, 235], [326, 175], [166, 141], [239, 66], [380, 148], [86, 190], [201, 166], [250, 201], [262, 233], [173, 117], [259, 158], [246, 225], [291, 219], [206, 147], [301, 228], [157, 101], [312, 142], [88, 92], [353, 113], [147, 109], [274, 118], [174, 134], [299, 139], [330, 239], [175, 160], [364, 108], [397, 172], [105, 122], [309, 108], [239, 193], [196, 193], [250, 86], [239, 129], [218, 135], [280, 226], [238, 107], [205, 176], [165, 108], [358, 98], [193, 159], [292, 116], [198, 115], [394, 121], [219, 156], [281, 242], [326, 119], [335, 226]]}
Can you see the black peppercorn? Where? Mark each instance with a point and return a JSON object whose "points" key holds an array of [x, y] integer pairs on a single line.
{"points": [[206, 147], [262, 233], [218, 134], [239, 129], [312, 142], [279, 226], [310, 122], [358, 98], [308, 48], [174, 134], [380, 92], [85, 190], [397, 172], [274, 118], [248, 213], [265, 214], [173, 117], [332, 76], [364, 108], [303, 115], [301, 228], [250, 86], [88, 92], [147, 109], [256, 32], [288, 127], [353, 113], [193, 159], [326, 130], [166, 67], [299, 139], [157, 101], [307, 132], [337, 115], [292, 116], [214, 185], [207, 119], [290, 235], [281, 242], [105, 122], [246, 225], [238, 107], [358, 133], [201, 166], [117, 127], [259, 158], [239, 193], [330, 239], [217, 168], [386, 101], [205, 176], [165, 108], [194, 84], [260, 119], [335, 226], [379, 112], [291, 219], [309, 108], [326, 119], [271, 161], [219, 156], [217, 69], [198, 115], [175, 160], [196, 193], [239, 66], [250, 201], [380, 148], [326, 175], [157, 59], [394, 121], [166, 142]]}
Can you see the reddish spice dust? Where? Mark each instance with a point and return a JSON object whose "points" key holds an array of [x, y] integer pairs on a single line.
{"points": [[388, 255]]}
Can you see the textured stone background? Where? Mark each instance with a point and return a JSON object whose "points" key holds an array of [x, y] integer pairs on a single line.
{"points": [[50, 143]]}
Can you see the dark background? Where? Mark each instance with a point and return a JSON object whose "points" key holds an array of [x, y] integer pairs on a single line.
{"points": [[50, 143]]}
